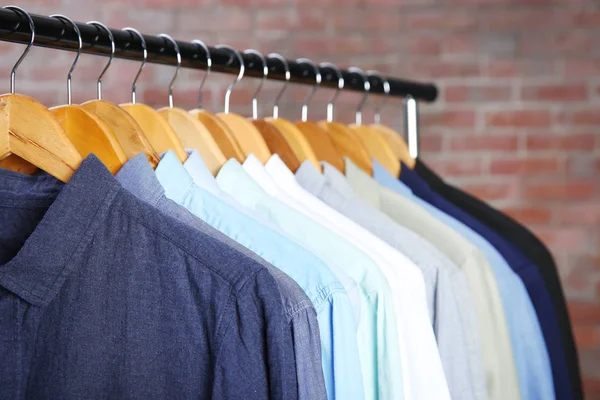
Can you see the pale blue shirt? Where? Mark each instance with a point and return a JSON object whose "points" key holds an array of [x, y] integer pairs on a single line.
{"points": [[340, 361], [531, 356]]}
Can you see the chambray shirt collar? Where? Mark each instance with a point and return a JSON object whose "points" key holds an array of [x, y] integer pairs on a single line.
{"points": [[232, 175], [383, 177], [173, 177], [200, 174], [137, 176], [309, 177], [41, 266]]}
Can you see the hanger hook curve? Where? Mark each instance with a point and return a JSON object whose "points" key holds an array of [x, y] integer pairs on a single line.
{"points": [[145, 57], [340, 86], [110, 59], [307, 61], [63, 19], [238, 78], [363, 100], [19, 11], [262, 80], [286, 66], [172, 83], [386, 91], [208, 67]]}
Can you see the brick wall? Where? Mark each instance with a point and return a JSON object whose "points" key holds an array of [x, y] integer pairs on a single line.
{"points": [[517, 121]]}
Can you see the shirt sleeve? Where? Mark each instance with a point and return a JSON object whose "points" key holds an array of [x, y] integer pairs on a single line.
{"points": [[255, 359]]}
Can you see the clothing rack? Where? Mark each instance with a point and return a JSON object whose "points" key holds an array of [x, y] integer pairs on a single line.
{"points": [[56, 34]]}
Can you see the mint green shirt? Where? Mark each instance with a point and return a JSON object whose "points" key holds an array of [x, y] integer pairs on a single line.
{"points": [[377, 333]]}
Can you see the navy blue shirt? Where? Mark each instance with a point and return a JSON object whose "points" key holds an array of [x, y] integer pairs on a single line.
{"points": [[524, 268], [102, 296]]}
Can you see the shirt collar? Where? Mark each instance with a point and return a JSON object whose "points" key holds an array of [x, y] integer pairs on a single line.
{"points": [[138, 178], [257, 171], [201, 175], [310, 178], [42, 265], [234, 180], [280, 173], [361, 182], [383, 177], [173, 177]]}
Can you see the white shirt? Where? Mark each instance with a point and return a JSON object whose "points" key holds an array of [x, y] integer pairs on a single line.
{"points": [[422, 371]]}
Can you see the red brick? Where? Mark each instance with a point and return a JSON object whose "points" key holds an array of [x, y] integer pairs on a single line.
{"points": [[492, 191], [423, 45], [573, 190], [563, 239], [578, 213], [429, 68], [224, 19], [591, 388], [582, 68], [527, 166], [476, 93], [459, 44], [582, 117], [440, 20], [566, 43], [586, 336], [529, 215], [384, 20], [484, 142], [518, 118], [521, 68], [459, 167], [584, 313], [449, 119], [568, 141], [430, 143], [287, 19], [584, 18], [555, 92]]}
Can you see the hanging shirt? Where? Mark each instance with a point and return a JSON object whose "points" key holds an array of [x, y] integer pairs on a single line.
{"points": [[138, 177], [421, 357], [529, 348], [339, 352], [536, 251], [202, 177], [378, 335], [459, 375], [102, 296]]}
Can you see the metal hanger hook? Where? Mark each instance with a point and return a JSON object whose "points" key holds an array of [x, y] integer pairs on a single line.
{"points": [[172, 83], [145, 55], [63, 18], [262, 81], [13, 72], [110, 59], [340, 86], [239, 77], [288, 76], [309, 96], [367, 87], [208, 67], [386, 91]]}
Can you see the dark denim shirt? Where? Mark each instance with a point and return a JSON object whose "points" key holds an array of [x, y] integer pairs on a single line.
{"points": [[101, 296], [522, 266]]}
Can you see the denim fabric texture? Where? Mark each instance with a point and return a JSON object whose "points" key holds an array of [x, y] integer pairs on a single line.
{"points": [[101, 296]]}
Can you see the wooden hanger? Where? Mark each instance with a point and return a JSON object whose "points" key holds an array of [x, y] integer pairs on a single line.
{"points": [[296, 140], [154, 127], [348, 144], [86, 130], [128, 132], [244, 132], [30, 136], [378, 148], [218, 130], [189, 130], [394, 140], [274, 139]]}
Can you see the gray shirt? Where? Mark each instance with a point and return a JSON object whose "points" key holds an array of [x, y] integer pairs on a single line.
{"points": [[138, 178], [439, 273]]}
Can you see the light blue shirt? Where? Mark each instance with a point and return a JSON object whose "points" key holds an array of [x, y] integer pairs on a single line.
{"points": [[531, 356], [340, 361]]}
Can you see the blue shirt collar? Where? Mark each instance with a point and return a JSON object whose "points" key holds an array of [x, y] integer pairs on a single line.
{"points": [[173, 177], [139, 179]]}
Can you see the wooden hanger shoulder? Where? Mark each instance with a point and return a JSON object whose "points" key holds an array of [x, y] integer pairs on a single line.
{"points": [[348, 144], [29, 131], [378, 148], [397, 144], [220, 133], [156, 129], [296, 140], [194, 135], [128, 132], [277, 143], [91, 135], [321, 143], [247, 136]]}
